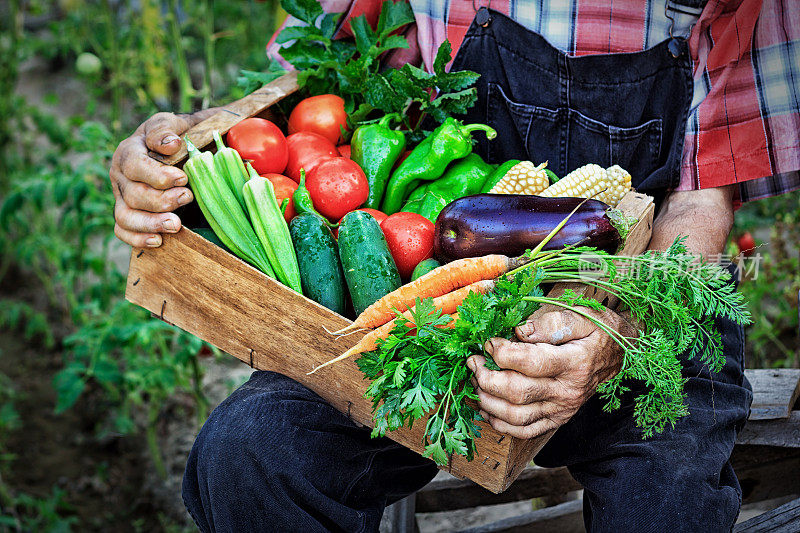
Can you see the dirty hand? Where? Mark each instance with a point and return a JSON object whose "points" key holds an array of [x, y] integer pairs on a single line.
{"points": [[550, 374], [145, 190]]}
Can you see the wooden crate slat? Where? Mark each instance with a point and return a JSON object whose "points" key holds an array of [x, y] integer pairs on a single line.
{"points": [[783, 432], [775, 390], [783, 519], [562, 518], [254, 318]]}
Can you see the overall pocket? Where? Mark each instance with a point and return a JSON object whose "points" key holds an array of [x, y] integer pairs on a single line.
{"points": [[568, 139]]}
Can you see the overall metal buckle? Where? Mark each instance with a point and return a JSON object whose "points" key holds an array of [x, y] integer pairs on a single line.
{"points": [[482, 17], [674, 44]]}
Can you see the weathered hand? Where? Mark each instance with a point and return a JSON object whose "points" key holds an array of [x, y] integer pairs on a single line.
{"points": [[550, 374], [146, 190]]}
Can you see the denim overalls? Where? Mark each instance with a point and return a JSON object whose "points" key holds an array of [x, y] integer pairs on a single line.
{"points": [[274, 456], [612, 109]]}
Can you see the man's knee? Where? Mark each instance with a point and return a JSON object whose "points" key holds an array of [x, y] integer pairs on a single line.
{"points": [[253, 445], [661, 488]]}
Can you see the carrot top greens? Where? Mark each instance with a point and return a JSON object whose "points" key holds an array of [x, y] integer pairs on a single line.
{"points": [[420, 369]]}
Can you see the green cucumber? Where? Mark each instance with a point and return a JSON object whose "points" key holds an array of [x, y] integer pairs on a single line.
{"points": [[423, 267], [320, 270], [368, 266]]}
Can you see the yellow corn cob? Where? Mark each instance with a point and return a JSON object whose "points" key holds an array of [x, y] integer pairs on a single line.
{"points": [[523, 178], [592, 181], [620, 183]]}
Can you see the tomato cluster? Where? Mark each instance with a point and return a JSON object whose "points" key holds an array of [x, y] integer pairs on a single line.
{"points": [[335, 183]]}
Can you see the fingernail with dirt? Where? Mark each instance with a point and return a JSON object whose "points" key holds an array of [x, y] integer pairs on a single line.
{"points": [[153, 241], [170, 225], [471, 364], [184, 198], [180, 181], [169, 139], [489, 347], [527, 329]]}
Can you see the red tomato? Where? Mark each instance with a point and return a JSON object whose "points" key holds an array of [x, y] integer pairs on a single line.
{"points": [[344, 150], [322, 114], [284, 188], [380, 216], [307, 150], [746, 244], [410, 239], [262, 142], [337, 186]]}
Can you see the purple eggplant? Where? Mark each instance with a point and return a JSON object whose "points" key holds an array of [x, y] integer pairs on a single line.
{"points": [[510, 224]]}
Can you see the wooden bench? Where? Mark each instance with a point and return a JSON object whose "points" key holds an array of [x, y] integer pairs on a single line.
{"points": [[766, 459]]}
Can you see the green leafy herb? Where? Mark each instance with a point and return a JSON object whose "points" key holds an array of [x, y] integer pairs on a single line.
{"points": [[420, 369], [351, 68]]}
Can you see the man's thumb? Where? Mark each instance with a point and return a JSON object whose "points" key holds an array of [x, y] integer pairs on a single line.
{"points": [[553, 327]]}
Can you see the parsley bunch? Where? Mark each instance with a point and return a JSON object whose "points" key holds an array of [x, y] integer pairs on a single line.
{"points": [[420, 369], [351, 68]]}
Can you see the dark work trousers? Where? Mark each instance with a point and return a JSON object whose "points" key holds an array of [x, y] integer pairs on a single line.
{"points": [[274, 456]]}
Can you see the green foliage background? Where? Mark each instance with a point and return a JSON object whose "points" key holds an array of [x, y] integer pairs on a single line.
{"points": [[131, 59], [56, 220]]}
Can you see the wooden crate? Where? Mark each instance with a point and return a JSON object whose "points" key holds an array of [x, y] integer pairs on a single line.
{"points": [[199, 287]]}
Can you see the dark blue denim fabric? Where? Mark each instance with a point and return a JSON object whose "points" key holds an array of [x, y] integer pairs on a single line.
{"points": [[624, 109], [274, 456]]}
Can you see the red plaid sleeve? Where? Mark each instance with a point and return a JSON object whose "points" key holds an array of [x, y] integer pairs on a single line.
{"points": [[745, 119]]}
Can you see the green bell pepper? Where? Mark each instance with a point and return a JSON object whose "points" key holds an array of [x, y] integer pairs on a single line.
{"points": [[462, 178], [429, 205], [375, 148], [428, 161]]}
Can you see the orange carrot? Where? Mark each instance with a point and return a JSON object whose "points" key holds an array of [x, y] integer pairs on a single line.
{"points": [[447, 303], [437, 282], [369, 341]]}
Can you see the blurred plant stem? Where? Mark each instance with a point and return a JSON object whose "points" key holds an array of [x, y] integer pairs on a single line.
{"points": [[155, 54], [115, 68], [209, 39], [185, 87], [9, 63], [152, 438]]}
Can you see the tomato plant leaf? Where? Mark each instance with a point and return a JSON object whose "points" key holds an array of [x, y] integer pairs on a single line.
{"points": [[306, 10], [363, 34], [291, 33], [394, 15]]}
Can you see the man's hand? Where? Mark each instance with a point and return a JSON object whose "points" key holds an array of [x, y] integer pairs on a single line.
{"points": [[550, 374], [146, 190]]}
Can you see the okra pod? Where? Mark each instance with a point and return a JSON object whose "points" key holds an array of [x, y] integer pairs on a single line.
{"points": [[271, 229]]}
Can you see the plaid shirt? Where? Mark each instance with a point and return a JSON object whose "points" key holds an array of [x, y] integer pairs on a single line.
{"points": [[744, 120]]}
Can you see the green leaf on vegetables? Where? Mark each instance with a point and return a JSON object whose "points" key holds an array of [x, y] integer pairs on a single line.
{"points": [[351, 67], [306, 10]]}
